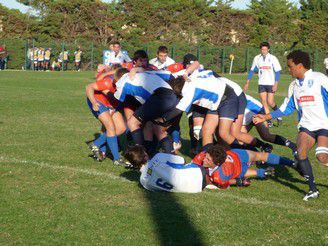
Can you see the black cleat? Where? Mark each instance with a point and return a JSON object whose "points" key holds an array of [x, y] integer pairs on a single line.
{"points": [[270, 124], [269, 172], [279, 121]]}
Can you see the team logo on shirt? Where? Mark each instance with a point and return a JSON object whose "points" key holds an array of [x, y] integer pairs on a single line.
{"points": [[310, 83]]}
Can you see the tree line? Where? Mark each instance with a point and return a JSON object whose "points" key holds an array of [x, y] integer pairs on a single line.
{"points": [[192, 22]]}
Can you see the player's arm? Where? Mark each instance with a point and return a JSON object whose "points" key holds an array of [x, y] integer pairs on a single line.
{"points": [[194, 66], [90, 91], [277, 70], [134, 71], [105, 74], [253, 69]]}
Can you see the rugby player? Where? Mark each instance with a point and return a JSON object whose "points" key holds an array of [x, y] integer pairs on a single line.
{"points": [[308, 94], [268, 68], [162, 61]]}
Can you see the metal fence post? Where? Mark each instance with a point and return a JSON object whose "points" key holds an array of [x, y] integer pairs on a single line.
{"points": [[92, 57], [26, 49], [62, 68], [222, 60], [198, 53], [246, 58], [173, 52]]}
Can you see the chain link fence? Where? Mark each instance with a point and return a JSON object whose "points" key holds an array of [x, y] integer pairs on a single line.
{"points": [[216, 58]]}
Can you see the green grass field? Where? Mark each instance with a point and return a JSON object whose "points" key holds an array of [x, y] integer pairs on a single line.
{"points": [[53, 193]]}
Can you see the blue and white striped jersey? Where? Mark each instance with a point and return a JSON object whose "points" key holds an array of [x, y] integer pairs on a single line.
{"points": [[204, 92], [309, 96], [141, 87], [167, 172], [253, 107]]}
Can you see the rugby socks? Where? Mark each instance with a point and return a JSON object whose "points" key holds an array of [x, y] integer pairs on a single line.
{"points": [[176, 136], [306, 168], [150, 147], [259, 143], [138, 137], [166, 144], [278, 160], [260, 173], [207, 146], [113, 146], [280, 140], [275, 108], [103, 148], [101, 140]]}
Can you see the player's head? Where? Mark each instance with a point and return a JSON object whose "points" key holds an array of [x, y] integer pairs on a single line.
{"points": [[119, 73], [215, 155], [162, 53], [264, 47], [298, 63], [189, 59], [136, 155], [140, 58], [116, 46], [177, 84]]}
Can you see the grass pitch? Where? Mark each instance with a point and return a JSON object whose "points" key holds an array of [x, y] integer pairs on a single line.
{"points": [[53, 193]]}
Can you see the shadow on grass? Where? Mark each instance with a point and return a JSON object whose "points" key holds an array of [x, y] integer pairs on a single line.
{"points": [[173, 225]]}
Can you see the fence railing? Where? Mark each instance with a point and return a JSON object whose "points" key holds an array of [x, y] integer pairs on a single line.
{"points": [[216, 58]]}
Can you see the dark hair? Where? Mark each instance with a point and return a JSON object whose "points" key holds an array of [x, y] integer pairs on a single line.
{"points": [[298, 57], [188, 59], [162, 49], [136, 155], [177, 84], [115, 66], [120, 72], [218, 153], [115, 42], [140, 54], [264, 44]]}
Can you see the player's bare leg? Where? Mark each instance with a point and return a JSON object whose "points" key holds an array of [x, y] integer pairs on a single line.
{"points": [[224, 131], [209, 127], [120, 126], [273, 105], [264, 101], [322, 150]]}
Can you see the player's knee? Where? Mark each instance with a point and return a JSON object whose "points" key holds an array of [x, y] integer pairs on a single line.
{"points": [[224, 135], [301, 153], [322, 155]]}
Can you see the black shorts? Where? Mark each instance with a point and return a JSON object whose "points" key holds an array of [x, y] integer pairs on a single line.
{"points": [[242, 103], [160, 102], [228, 108], [265, 88], [131, 102], [198, 111], [314, 134]]}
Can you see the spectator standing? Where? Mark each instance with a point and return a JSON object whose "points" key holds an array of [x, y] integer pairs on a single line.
{"points": [[78, 58], [3, 57], [47, 57]]}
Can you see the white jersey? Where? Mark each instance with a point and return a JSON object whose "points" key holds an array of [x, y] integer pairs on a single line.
{"points": [[204, 92], [157, 63], [119, 58], [326, 62], [309, 96], [253, 107], [167, 172], [267, 66], [141, 87]]}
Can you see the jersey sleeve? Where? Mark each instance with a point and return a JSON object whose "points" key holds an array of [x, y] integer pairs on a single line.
{"points": [[187, 99], [106, 84], [176, 67], [217, 180], [126, 57], [198, 159], [254, 68]]}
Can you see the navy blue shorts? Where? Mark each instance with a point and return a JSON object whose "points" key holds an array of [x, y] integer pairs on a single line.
{"points": [[131, 102], [228, 109], [244, 159], [265, 88], [242, 103], [102, 108], [160, 102], [314, 134], [198, 112]]}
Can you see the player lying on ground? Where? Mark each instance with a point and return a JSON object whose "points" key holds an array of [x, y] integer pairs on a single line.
{"points": [[218, 166], [308, 94]]}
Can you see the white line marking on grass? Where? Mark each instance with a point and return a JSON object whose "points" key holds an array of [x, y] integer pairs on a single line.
{"points": [[65, 168], [250, 201]]}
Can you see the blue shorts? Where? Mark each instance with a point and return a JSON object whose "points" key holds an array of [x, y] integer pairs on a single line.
{"points": [[228, 109], [242, 103], [102, 108], [244, 159], [314, 134], [265, 88], [160, 102]]}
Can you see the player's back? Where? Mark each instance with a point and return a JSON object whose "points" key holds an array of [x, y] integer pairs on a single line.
{"points": [[167, 172]]}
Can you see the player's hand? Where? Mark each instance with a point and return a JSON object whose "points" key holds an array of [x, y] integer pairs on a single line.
{"points": [[275, 87], [246, 86], [259, 118], [95, 106]]}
